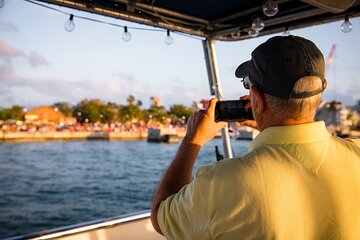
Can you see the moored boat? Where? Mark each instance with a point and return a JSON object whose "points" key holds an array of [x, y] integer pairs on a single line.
{"points": [[245, 133], [167, 135]]}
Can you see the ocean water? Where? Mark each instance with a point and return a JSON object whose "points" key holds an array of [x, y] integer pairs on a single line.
{"points": [[45, 185]]}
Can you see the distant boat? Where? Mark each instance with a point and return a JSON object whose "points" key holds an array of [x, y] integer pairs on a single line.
{"points": [[245, 133], [167, 135]]}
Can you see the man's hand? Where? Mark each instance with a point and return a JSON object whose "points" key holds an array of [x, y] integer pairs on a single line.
{"points": [[249, 123], [201, 127]]}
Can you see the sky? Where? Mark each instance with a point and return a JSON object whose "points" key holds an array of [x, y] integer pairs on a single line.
{"points": [[41, 63]]}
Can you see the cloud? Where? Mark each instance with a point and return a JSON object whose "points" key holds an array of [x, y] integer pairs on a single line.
{"points": [[8, 27], [180, 91], [116, 88], [36, 59], [10, 79], [7, 98], [345, 98], [51, 87], [124, 76], [5, 72], [7, 53], [353, 89]]}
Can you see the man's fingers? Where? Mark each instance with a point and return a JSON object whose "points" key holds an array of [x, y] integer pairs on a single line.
{"points": [[212, 104], [249, 123], [245, 97]]}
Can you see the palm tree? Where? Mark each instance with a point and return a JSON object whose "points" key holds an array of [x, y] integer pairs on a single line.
{"points": [[131, 100]]}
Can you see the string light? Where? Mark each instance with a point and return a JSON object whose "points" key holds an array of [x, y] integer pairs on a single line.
{"points": [[126, 36], [69, 24], [346, 26], [270, 8], [168, 39], [258, 24], [253, 33], [236, 35], [110, 23], [2, 3]]}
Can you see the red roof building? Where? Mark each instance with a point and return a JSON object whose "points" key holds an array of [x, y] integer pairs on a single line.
{"points": [[44, 115]]}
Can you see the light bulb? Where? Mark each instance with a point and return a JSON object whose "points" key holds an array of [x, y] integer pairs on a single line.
{"points": [[270, 8], [258, 24], [126, 36], [168, 39], [236, 35], [69, 24], [253, 33], [346, 26], [2, 2]]}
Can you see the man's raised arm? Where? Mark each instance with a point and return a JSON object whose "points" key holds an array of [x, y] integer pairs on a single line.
{"points": [[201, 128]]}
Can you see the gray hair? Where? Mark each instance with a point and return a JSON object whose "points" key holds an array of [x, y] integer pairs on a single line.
{"points": [[297, 108]]}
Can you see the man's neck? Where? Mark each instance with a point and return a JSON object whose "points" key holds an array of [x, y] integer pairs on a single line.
{"points": [[284, 122]]}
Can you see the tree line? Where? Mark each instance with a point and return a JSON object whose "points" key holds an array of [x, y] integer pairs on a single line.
{"points": [[96, 110]]}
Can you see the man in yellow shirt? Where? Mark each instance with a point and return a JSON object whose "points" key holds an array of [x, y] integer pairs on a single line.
{"points": [[296, 182]]}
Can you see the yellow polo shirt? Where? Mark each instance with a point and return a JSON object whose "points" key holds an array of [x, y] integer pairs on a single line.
{"points": [[296, 182]]}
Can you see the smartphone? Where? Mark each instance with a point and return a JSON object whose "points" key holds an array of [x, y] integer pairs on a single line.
{"points": [[232, 111]]}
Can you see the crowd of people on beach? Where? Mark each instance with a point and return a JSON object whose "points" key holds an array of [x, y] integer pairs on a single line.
{"points": [[138, 126]]}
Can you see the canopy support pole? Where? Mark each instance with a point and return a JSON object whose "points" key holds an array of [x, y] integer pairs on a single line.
{"points": [[215, 88]]}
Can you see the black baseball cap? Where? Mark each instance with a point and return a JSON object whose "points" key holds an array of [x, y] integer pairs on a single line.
{"points": [[277, 64]]}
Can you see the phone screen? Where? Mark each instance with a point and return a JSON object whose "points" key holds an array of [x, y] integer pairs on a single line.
{"points": [[232, 111]]}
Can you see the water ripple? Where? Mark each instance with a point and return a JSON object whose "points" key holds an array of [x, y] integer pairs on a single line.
{"points": [[45, 185]]}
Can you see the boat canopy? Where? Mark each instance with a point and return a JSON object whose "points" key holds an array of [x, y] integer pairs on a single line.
{"points": [[218, 19]]}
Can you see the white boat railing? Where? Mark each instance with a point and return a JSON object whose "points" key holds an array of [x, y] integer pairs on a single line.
{"points": [[129, 226]]}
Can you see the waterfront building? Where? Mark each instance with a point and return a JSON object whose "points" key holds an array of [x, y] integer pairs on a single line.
{"points": [[47, 115]]}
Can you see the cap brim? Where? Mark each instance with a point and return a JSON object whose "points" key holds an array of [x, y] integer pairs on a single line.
{"points": [[242, 70]]}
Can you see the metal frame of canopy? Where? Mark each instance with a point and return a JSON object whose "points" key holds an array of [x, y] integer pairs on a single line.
{"points": [[215, 87], [214, 20]]}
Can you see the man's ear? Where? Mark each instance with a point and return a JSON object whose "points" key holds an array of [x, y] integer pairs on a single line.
{"points": [[325, 84], [259, 99]]}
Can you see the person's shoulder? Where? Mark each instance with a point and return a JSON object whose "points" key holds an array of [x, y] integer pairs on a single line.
{"points": [[236, 165], [353, 143]]}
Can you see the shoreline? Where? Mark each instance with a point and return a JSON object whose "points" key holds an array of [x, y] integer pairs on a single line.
{"points": [[70, 136], [100, 135]]}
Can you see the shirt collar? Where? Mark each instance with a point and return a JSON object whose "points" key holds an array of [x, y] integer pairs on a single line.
{"points": [[309, 132]]}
